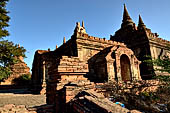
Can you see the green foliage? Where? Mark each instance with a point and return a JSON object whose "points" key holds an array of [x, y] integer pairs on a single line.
{"points": [[22, 80], [8, 56], [163, 65], [8, 50], [149, 96], [163, 78], [4, 19], [4, 72]]}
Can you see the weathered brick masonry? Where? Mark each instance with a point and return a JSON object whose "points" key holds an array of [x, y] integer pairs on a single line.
{"points": [[79, 60], [143, 42], [84, 60]]}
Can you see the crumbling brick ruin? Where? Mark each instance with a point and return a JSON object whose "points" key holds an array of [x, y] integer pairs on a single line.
{"points": [[18, 69], [84, 60]]}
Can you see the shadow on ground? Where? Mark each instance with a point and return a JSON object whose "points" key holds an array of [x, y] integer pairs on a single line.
{"points": [[15, 89]]}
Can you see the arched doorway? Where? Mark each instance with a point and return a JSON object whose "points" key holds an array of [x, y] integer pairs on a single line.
{"points": [[125, 68]]}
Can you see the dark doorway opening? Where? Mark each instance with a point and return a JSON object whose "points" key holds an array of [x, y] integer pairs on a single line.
{"points": [[125, 68]]}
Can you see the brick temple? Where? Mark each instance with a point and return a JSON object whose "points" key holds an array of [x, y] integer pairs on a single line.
{"points": [[18, 69], [84, 60]]}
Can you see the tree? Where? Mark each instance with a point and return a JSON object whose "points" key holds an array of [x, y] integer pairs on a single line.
{"points": [[162, 64], [9, 52], [4, 19]]}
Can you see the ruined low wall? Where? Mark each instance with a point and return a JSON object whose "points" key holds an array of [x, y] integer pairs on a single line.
{"points": [[65, 71]]}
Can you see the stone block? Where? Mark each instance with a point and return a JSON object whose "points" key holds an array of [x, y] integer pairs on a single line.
{"points": [[63, 57], [76, 70], [72, 78], [90, 37], [135, 111], [9, 106], [63, 62], [69, 70], [74, 63], [61, 69]]}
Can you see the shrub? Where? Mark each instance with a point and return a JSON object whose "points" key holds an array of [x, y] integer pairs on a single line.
{"points": [[24, 79]]}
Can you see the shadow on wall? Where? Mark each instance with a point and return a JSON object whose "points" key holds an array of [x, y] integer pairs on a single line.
{"points": [[97, 65], [146, 69], [24, 79]]}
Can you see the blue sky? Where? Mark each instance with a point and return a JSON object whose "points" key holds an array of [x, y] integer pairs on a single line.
{"points": [[42, 24]]}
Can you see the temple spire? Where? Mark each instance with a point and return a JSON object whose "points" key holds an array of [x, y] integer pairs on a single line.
{"points": [[126, 14], [140, 20], [64, 40], [141, 23], [126, 18], [83, 24], [80, 29]]}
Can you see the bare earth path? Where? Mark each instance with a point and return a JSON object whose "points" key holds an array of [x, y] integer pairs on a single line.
{"points": [[21, 96]]}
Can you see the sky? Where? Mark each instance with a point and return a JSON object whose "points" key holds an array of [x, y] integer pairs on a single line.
{"points": [[42, 24]]}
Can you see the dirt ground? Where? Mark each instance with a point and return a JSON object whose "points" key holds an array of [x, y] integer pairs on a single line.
{"points": [[21, 97]]}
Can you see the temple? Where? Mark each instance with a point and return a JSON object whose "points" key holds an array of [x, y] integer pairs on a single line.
{"points": [[97, 59], [142, 42], [84, 60]]}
